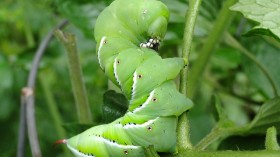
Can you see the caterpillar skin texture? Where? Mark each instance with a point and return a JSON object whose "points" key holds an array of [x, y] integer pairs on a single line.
{"points": [[127, 33]]}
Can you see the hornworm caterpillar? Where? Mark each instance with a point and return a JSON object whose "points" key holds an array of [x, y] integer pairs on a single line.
{"points": [[128, 33]]}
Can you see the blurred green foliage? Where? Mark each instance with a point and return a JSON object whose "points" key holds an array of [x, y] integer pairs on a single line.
{"points": [[236, 80]]}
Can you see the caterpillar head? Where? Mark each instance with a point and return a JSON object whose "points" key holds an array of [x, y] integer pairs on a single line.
{"points": [[151, 43]]}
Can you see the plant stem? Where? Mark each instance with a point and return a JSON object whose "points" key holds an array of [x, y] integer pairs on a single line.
{"points": [[234, 43], [222, 22], [183, 133], [28, 94], [53, 110], [79, 89], [22, 128], [220, 132], [229, 153], [183, 136], [27, 100], [191, 16], [271, 139], [215, 134]]}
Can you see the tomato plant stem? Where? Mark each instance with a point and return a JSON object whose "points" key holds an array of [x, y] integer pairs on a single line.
{"points": [[183, 136], [79, 89]]}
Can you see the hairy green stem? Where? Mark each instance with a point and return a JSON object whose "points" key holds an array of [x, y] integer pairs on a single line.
{"points": [[53, 110], [223, 129], [219, 27], [214, 135], [82, 104], [234, 43], [271, 139], [258, 153], [183, 133], [191, 16], [183, 130]]}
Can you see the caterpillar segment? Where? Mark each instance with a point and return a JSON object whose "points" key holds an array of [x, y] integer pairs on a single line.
{"points": [[129, 139], [92, 143], [136, 21], [124, 68], [153, 72], [108, 48], [127, 34], [165, 100]]}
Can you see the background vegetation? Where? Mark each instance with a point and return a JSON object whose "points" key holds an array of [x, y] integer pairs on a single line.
{"points": [[225, 83]]}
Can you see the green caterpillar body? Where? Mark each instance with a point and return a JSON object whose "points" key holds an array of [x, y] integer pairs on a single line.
{"points": [[128, 33]]}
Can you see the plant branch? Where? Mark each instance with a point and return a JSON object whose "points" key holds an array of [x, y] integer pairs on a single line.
{"points": [[223, 129], [27, 101], [191, 16], [271, 139], [79, 89], [31, 122], [234, 43], [183, 133], [39, 53], [183, 130], [219, 27], [229, 153], [215, 134], [22, 127]]}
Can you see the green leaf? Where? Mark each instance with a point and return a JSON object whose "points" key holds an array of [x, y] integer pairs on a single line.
{"points": [[260, 31], [115, 106], [269, 56], [265, 12], [267, 116]]}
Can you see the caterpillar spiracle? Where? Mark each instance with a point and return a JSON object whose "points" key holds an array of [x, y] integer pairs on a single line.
{"points": [[128, 33]]}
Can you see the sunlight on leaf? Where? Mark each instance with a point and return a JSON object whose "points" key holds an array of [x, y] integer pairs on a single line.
{"points": [[265, 12]]}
